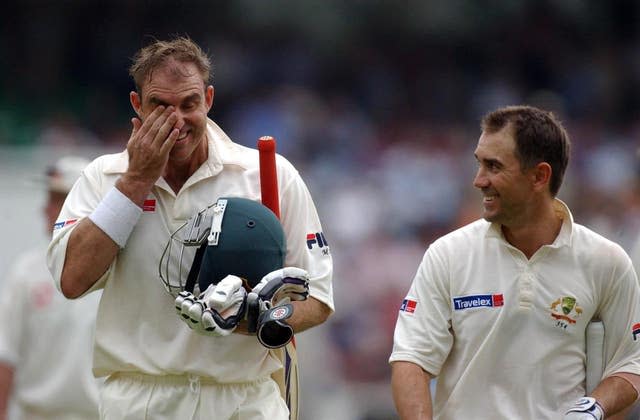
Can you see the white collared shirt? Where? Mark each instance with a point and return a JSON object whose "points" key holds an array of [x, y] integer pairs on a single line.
{"points": [[137, 327], [505, 335]]}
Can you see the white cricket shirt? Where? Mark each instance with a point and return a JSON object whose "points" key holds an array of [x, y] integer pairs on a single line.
{"points": [[49, 342], [138, 329], [506, 335]]}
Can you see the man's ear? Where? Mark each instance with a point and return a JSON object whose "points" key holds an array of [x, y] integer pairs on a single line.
{"points": [[541, 175], [136, 102], [209, 93]]}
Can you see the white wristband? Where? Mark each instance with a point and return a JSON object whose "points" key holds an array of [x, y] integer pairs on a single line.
{"points": [[116, 215]]}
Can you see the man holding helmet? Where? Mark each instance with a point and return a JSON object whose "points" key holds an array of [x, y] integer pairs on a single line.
{"points": [[128, 207]]}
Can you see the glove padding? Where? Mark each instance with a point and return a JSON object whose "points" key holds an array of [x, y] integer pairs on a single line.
{"points": [[217, 311], [586, 408], [283, 285], [268, 305]]}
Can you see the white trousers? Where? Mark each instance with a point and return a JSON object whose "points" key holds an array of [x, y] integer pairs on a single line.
{"points": [[133, 396]]}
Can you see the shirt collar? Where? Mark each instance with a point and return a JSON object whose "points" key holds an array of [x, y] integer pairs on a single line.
{"points": [[566, 230]]}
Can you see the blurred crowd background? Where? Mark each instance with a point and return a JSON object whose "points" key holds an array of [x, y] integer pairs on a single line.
{"points": [[376, 102]]}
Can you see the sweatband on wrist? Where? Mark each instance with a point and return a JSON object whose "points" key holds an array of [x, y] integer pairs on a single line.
{"points": [[116, 215]]}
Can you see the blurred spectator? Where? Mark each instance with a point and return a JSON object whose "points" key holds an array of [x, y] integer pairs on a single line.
{"points": [[62, 129], [46, 340]]}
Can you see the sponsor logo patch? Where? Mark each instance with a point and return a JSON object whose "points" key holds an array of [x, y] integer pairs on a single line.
{"points": [[478, 301], [316, 238], [149, 205], [565, 311], [408, 306], [635, 330], [63, 223], [280, 312]]}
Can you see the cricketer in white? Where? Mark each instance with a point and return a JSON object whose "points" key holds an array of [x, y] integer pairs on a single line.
{"points": [[177, 163], [499, 308], [46, 340]]}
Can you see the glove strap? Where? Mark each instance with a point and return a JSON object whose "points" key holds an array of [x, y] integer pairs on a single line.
{"points": [[232, 321], [216, 222], [195, 269], [253, 312]]}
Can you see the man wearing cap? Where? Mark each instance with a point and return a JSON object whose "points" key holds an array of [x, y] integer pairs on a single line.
{"points": [[45, 339]]}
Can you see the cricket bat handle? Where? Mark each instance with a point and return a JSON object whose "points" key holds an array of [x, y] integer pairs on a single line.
{"points": [[268, 174], [595, 354]]}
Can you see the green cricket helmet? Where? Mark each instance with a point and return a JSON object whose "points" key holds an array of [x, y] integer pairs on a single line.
{"points": [[233, 236]]}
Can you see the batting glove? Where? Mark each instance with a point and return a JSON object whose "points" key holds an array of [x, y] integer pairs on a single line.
{"points": [[217, 311], [184, 301], [268, 305], [283, 286], [586, 408]]}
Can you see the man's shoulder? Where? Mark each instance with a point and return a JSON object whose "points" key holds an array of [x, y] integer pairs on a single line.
{"points": [[462, 240], [110, 163], [587, 241], [464, 234], [232, 153]]}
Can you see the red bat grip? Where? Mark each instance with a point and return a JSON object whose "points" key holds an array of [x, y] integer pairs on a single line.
{"points": [[268, 174]]}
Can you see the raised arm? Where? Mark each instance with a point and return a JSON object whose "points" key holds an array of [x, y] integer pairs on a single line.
{"points": [[6, 388], [96, 240], [89, 253]]}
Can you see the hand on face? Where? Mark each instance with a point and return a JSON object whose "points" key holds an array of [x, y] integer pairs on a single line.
{"points": [[150, 143]]}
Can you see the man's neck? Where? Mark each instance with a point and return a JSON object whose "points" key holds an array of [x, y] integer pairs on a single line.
{"points": [[176, 174], [540, 228]]}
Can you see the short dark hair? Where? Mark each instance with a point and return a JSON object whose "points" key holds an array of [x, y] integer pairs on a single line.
{"points": [[156, 54], [539, 137]]}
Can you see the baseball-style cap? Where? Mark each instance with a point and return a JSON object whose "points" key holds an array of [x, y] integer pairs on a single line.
{"points": [[61, 176]]}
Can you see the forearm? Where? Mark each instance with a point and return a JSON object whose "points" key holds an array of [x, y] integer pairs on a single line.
{"points": [[308, 314], [135, 187], [622, 415], [410, 389], [6, 386], [95, 242], [88, 256], [614, 394]]}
